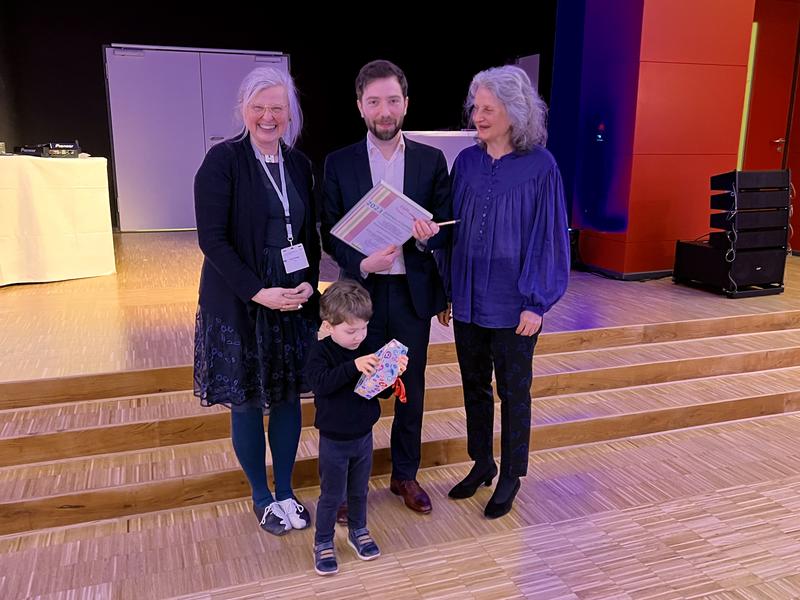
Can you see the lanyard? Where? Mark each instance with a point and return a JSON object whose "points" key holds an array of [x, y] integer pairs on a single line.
{"points": [[282, 195]]}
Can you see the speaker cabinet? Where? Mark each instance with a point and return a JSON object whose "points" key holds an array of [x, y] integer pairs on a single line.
{"points": [[736, 273]]}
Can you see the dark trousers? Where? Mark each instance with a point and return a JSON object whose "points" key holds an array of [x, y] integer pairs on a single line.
{"points": [[478, 349], [394, 317], [344, 469]]}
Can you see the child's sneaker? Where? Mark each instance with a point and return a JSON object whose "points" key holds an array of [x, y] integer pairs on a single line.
{"points": [[325, 559], [296, 513], [363, 544], [273, 519]]}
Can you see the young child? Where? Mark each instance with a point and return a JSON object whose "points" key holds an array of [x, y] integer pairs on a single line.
{"points": [[344, 420]]}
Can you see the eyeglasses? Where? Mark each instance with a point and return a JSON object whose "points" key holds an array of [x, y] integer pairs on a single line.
{"points": [[276, 111]]}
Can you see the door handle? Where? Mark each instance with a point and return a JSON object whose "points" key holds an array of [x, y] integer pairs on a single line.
{"points": [[779, 141]]}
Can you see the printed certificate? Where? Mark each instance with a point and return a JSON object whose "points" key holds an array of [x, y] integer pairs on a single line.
{"points": [[383, 217]]}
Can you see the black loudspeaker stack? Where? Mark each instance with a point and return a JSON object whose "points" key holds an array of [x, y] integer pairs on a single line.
{"points": [[748, 256]]}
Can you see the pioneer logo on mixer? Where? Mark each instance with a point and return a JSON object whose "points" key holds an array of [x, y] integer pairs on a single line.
{"points": [[51, 150]]}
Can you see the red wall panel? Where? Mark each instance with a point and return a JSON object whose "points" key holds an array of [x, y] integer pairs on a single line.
{"points": [[689, 109], [696, 31], [647, 257], [603, 250], [670, 195]]}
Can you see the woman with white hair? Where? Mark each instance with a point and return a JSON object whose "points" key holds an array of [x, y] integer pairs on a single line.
{"points": [[509, 264], [257, 309]]}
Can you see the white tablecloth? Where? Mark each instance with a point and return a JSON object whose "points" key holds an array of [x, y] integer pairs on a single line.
{"points": [[55, 220]]}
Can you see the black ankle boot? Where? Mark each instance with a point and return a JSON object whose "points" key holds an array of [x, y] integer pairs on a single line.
{"points": [[479, 475], [500, 504]]}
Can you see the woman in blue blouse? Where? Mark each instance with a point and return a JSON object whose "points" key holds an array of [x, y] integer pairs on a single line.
{"points": [[258, 307], [509, 265]]}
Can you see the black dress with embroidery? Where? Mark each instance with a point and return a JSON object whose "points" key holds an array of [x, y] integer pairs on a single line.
{"points": [[247, 355]]}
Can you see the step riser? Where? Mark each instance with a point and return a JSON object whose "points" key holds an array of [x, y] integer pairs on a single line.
{"points": [[121, 438], [226, 485], [662, 372], [24, 394], [571, 341], [114, 438], [610, 428]]}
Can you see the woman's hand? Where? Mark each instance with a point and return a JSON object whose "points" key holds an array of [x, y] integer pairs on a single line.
{"points": [[305, 290], [298, 296], [445, 316], [367, 364], [284, 299], [278, 298], [529, 323]]}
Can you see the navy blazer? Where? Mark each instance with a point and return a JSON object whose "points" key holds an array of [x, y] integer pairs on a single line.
{"points": [[426, 181]]}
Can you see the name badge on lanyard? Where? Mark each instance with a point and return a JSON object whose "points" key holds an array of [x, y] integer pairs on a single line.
{"points": [[294, 257]]}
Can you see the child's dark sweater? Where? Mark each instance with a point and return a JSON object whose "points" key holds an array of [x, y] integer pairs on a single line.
{"points": [[332, 374]]}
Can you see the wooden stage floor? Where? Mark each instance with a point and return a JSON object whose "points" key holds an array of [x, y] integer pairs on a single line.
{"points": [[143, 317]]}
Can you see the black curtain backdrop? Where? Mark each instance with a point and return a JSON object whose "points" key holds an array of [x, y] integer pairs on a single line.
{"points": [[54, 63]]}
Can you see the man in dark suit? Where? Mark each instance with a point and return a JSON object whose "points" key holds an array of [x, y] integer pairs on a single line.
{"points": [[404, 283]]}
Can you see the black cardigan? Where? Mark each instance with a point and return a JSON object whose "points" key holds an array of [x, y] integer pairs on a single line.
{"points": [[231, 223]]}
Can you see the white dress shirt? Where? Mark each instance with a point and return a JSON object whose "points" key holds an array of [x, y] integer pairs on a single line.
{"points": [[392, 171]]}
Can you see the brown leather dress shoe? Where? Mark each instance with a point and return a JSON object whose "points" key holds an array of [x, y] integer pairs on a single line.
{"points": [[341, 514], [413, 495]]}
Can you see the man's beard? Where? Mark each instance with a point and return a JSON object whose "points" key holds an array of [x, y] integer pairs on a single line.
{"points": [[386, 134]]}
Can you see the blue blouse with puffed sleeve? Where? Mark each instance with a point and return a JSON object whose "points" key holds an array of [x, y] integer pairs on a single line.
{"points": [[510, 249]]}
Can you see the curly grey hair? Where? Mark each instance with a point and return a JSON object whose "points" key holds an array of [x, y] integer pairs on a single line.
{"points": [[526, 109], [266, 77]]}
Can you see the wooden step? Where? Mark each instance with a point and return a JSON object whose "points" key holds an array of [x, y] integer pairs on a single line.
{"points": [[619, 367], [76, 490], [588, 417], [633, 335], [19, 394], [90, 488], [96, 427], [36, 392]]}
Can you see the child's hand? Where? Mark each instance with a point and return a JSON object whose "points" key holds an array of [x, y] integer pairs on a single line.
{"points": [[367, 364], [402, 362]]}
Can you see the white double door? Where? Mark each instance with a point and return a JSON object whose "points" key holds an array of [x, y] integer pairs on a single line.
{"points": [[168, 107]]}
